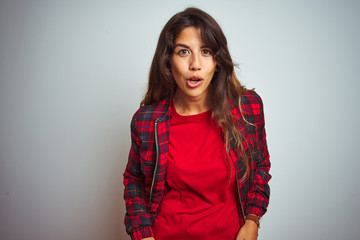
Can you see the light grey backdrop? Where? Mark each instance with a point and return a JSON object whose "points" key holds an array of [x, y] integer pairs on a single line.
{"points": [[73, 73]]}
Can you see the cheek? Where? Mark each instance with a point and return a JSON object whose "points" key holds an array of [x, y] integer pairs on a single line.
{"points": [[209, 66], [176, 75], [211, 71], [212, 66], [177, 70]]}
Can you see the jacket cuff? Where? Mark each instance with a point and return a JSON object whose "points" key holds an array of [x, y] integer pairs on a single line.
{"points": [[255, 210], [139, 233]]}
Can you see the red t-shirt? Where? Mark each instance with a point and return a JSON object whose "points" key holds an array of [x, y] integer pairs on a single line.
{"points": [[199, 202]]}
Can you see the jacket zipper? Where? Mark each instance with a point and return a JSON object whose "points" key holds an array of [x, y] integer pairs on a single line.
{"points": [[157, 159], [239, 194]]}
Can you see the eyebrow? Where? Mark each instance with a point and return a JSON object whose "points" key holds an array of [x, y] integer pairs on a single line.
{"points": [[186, 46]]}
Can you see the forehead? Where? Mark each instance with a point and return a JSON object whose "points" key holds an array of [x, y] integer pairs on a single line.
{"points": [[190, 35]]}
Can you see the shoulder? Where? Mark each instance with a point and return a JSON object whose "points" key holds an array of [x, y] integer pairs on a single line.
{"points": [[251, 107], [147, 114], [251, 102]]}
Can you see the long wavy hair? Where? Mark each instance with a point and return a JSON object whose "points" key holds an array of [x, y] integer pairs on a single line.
{"points": [[223, 86]]}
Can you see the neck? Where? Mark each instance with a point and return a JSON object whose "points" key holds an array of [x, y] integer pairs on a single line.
{"points": [[191, 106]]}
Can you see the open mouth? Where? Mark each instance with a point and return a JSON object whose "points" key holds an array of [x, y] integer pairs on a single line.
{"points": [[194, 81]]}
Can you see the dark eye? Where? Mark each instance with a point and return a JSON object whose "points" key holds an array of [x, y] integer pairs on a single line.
{"points": [[206, 52], [183, 52]]}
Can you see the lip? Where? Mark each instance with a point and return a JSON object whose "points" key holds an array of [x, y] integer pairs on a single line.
{"points": [[192, 84]]}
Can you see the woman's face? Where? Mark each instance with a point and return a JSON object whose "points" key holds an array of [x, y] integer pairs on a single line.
{"points": [[192, 66]]}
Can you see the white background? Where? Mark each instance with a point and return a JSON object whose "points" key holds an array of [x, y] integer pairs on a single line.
{"points": [[73, 73]]}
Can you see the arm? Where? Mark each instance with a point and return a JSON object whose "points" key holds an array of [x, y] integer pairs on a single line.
{"points": [[137, 219], [249, 231], [257, 198]]}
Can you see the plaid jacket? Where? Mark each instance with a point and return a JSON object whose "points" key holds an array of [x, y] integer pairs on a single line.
{"points": [[144, 177]]}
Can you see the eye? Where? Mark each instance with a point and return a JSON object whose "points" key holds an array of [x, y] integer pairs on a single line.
{"points": [[183, 52], [206, 52]]}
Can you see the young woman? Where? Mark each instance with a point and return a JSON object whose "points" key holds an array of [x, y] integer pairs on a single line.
{"points": [[198, 165]]}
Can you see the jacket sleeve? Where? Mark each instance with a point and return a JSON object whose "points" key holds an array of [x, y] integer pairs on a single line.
{"points": [[257, 198], [137, 219]]}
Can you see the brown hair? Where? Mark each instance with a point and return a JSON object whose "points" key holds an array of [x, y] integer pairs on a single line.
{"points": [[224, 85]]}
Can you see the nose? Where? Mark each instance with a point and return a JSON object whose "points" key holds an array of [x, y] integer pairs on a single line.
{"points": [[195, 63]]}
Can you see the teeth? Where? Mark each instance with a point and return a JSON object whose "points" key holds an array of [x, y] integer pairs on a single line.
{"points": [[194, 80]]}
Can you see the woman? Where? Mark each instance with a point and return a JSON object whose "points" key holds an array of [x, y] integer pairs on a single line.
{"points": [[198, 165]]}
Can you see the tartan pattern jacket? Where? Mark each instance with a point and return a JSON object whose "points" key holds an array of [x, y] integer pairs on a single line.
{"points": [[144, 176]]}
